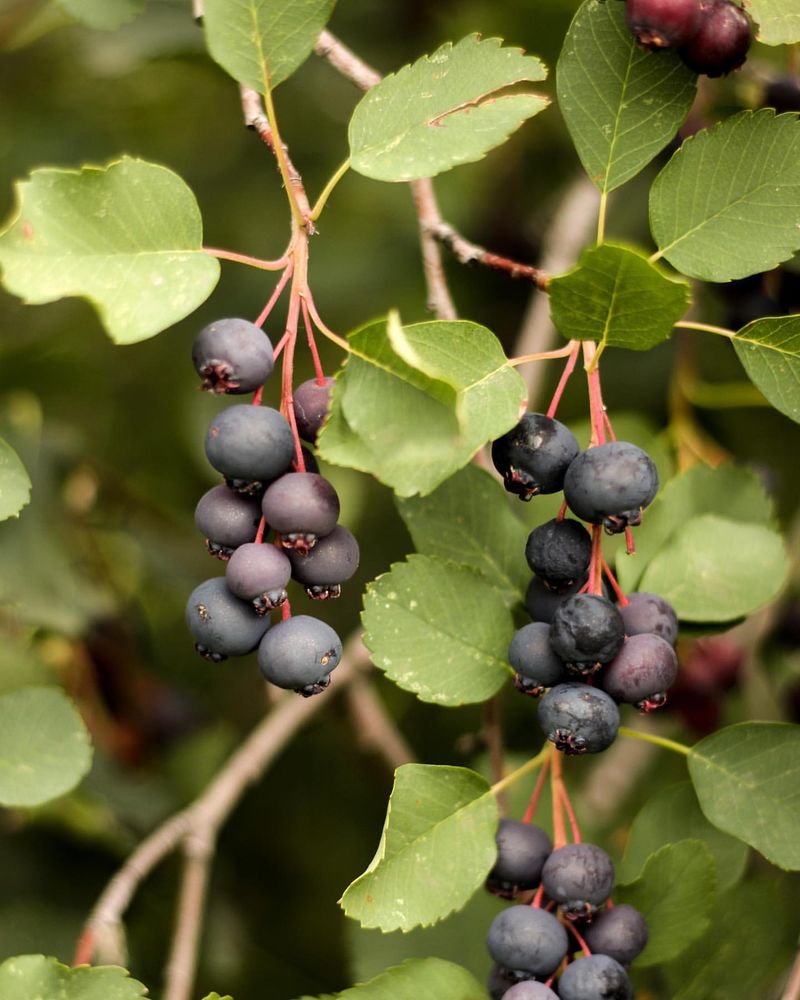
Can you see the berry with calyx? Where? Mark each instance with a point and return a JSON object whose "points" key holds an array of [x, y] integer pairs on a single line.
{"points": [[621, 933], [301, 507], [611, 484], [324, 569], [586, 632], [527, 942], [646, 612], [579, 877], [227, 519], [641, 672], [558, 552], [530, 990], [533, 457], [299, 654], [597, 977], [233, 356], [531, 655], [522, 849], [222, 625], [722, 40], [311, 405], [259, 573], [542, 603], [578, 718], [661, 24], [249, 445]]}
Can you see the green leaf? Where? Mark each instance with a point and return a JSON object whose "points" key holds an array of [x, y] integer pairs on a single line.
{"points": [[728, 202], [15, 484], [769, 349], [448, 108], [216, 996], [747, 781], [675, 892], [674, 814], [778, 20], [436, 849], [615, 297], [127, 236], [261, 43], [106, 15], [439, 630], [30, 977], [715, 569], [419, 977], [449, 377], [468, 520], [44, 746], [621, 103]]}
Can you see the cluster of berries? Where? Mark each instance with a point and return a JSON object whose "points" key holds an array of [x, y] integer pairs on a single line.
{"points": [[712, 36], [271, 482], [529, 943], [589, 652]]}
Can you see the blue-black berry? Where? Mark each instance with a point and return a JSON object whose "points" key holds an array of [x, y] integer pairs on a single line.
{"points": [[578, 718], [527, 942], [299, 654], [579, 877], [611, 485], [621, 933], [259, 573], [586, 632], [533, 457], [324, 568], [301, 507], [532, 657], [311, 404], [558, 552], [249, 445], [641, 672], [227, 519], [522, 849], [233, 356], [646, 612], [222, 625], [597, 977]]}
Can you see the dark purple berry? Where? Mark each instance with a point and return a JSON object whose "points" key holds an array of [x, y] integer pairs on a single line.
{"points": [[533, 457], [233, 356], [659, 24], [650, 613], [578, 718], [586, 632], [301, 507], [227, 519], [324, 569], [722, 40], [311, 404], [532, 657], [558, 552], [542, 603], [611, 485], [597, 977], [221, 624], [641, 672], [579, 877], [522, 849], [527, 942], [259, 573], [249, 445], [530, 990], [621, 933], [299, 654], [783, 94]]}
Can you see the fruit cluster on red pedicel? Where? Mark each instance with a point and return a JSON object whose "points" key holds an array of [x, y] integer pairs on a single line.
{"points": [[274, 519], [584, 652], [712, 37]]}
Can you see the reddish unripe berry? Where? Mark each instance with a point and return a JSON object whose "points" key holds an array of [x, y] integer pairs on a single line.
{"points": [[722, 40], [659, 24]]}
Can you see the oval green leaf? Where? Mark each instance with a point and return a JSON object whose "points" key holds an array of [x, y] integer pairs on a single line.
{"points": [[769, 350], [15, 484], [29, 976], [127, 237], [437, 847], [778, 20], [414, 979]]}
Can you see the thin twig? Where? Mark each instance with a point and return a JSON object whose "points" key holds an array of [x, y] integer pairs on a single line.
{"points": [[468, 253], [792, 989], [180, 969], [374, 727]]}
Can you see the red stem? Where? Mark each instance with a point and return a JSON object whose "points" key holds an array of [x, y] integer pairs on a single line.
{"points": [[623, 600], [84, 950], [579, 938], [609, 428], [559, 827], [572, 360], [573, 820], [562, 511], [536, 902], [596, 561], [630, 547], [533, 805], [595, 395], [262, 317], [286, 611], [262, 527], [312, 344]]}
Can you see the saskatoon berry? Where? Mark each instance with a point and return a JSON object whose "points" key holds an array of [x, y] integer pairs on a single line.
{"points": [[527, 942], [558, 552], [259, 574], [522, 849], [641, 672], [579, 877], [597, 977], [529, 990], [232, 355], [221, 624], [325, 568], [586, 632], [301, 507], [611, 484], [299, 654], [578, 718], [311, 403], [663, 23], [722, 40], [532, 657], [650, 613], [542, 602], [227, 519], [249, 445], [783, 94], [621, 933], [533, 456]]}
